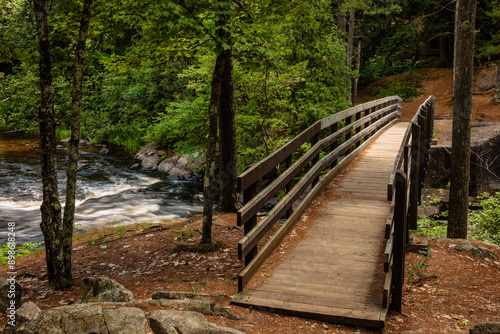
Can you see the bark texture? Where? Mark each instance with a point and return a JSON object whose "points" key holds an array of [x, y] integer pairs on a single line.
{"points": [[462, 112], [51, 224], [76, 108], [227, 128], [341, 17]]}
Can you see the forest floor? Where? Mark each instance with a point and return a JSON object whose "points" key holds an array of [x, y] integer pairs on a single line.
{"points": [[446, 291]]}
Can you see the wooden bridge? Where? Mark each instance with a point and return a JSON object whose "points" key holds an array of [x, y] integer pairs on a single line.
{"points": [[350, 267]]}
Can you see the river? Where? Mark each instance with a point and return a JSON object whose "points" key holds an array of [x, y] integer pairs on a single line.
{"points": [[110, 191]]}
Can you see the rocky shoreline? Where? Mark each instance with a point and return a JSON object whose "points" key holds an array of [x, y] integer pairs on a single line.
{"points": [[152, 157]]}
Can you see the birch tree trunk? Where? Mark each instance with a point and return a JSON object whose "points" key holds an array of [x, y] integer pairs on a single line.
{"points": [[462, 112]]}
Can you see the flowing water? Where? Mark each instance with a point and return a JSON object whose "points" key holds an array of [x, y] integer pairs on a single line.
{"points": [[109, 191]]}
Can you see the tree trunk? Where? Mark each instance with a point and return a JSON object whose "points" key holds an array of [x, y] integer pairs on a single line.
{"points": [[444, 52], [76, 107], [227, 128], [496, 98], [356, 79], [209, 184], [462, 112], [51, 224], [350, 48], [341, 20]]}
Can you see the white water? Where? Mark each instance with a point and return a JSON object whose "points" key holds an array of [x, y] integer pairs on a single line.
{"points": [[109, 192]]}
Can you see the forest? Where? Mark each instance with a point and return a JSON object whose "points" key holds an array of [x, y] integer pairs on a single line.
{"points": [[149, 65], [230, 82]]}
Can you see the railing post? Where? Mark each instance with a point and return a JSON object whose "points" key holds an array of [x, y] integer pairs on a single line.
{"points": [[399, 249], [288, 163], [333, 145], [315, 160], [414, 176], [348, 121], [358, 117], [248, 194], [367, 124]]}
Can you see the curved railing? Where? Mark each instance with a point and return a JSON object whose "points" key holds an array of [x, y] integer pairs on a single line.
{"points": [[405, 184], [341, 137]]}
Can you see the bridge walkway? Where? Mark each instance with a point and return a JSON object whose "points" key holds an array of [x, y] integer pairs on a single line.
{"points": [[336, 273]]}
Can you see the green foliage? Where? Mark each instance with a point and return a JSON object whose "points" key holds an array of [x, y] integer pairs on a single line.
{"points": [[484, 224], [184, 233], [407, 86], [417, 270], [20, 250]]}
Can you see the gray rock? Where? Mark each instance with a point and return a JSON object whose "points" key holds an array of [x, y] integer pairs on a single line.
{"points": [[27, 312], [485, 150], [476, 250], [10, 295], [166, 165], [47, 322], [148, 150], [190, 162], [486, 328], [104, 150], [124, 320], [179, 171], [203, 306], [179, 322], [84, 319], [103, 289], [83, 143], [151, 162]]}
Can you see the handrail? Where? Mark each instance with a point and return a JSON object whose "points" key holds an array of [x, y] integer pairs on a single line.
{"points": [[370, 119], [404, 187]]}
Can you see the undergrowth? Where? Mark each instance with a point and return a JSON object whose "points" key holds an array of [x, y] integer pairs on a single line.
{"points": [[483, 223]]}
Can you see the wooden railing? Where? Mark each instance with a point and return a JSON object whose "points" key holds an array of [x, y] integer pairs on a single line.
{"points": [[404, 188], [342, 137]]}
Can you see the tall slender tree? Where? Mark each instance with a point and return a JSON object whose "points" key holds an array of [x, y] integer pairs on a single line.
{"points": [[76, 109], [462, 112], [51, 223], [58, 232]]}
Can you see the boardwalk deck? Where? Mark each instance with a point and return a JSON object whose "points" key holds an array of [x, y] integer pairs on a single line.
{"points": [[336, 273]]}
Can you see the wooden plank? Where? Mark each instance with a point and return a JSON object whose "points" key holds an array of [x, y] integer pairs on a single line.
{"points": [[337, 293], [365, 270], [322, 313], [286, 296]]}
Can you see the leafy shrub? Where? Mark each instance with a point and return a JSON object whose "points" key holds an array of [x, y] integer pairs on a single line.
{"points": [[21, 250], [407, 87], [484, 224]]}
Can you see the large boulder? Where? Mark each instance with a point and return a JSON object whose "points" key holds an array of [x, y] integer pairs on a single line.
{"points": [[84, 319], [167, 165], [151, 163], [148, 150], [103, 289], [10, 295], [485, 161], [180, 322], [205, 306], [179, 171], [27, 312]]}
